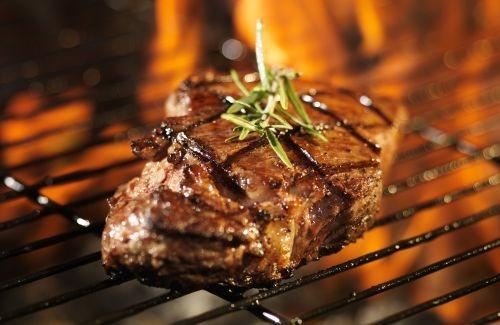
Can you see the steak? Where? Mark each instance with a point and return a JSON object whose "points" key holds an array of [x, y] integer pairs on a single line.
{"points": [[205, 210]]}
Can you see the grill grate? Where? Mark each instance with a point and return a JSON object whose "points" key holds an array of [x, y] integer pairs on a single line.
{"points": [[424, 126]]}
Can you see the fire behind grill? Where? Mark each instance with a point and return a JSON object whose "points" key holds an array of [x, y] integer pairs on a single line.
{"points": [[440, 208]]}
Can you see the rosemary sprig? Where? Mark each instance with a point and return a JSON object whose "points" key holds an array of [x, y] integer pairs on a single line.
{"points": [[275, 93]]}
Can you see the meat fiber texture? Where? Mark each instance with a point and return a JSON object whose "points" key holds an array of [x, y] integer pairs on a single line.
{"points": [[205, 210]]}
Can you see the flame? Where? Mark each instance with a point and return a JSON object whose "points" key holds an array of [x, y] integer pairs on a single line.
{"points": [[175, 48]]}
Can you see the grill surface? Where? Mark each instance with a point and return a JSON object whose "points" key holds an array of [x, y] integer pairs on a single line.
{"points": [[445, 180]]}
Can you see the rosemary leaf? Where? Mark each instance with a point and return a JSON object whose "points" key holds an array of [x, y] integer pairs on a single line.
{"points": [[278, 149], [239, 121], [296, 101], [280, 126], [281, 120], [271, 103], [242, 103], [292, 117], [244, 133], [249, 100], [259, 54], [238, 83], [232, 138], [282, 94], [316, 133]]}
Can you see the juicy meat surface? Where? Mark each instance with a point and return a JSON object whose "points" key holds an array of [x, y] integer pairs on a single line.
{"points": [[205, 210]]}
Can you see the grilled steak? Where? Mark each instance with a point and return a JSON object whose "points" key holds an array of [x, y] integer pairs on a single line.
{"points": [[205, 210]]}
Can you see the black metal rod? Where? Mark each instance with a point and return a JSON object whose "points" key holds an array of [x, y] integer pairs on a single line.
{"points": [[399, 281], [345, 266], [450, 296], [443, 140], [71, 264], [89, 43], [422, 149], [444, 199], [482, 101], [63, 298], [98, 94], [82, 174], [490, 318], [136, 308], [7, 196], [99, 62], [29, 217], [419, 96], [75, 150], [42, 200], [49, 241], [91, 199], [233, 294], [433, 173], [40, 213]]}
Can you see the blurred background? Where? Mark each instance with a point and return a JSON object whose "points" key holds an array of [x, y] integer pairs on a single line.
{"points": [[79, 79]]}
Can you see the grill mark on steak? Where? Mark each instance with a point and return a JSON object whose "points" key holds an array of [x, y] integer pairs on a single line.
{"points": [[225, 183], [221, 174], [356, 97], [246, 150], [323, 108], [154, 147], [333, 169], [309, 159]]}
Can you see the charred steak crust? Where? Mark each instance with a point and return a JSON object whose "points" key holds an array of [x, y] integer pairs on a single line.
{"points": [[205, 211]]}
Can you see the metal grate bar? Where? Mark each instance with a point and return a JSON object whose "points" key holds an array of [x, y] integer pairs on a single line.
{"points": [[345, 266], [137, 308], [84, 174], [268, 315], [423, 149], [425, 94], [101, 93], [46, 211], [485, 100], [100, 97], [44, 201], [32, 216], [74, 263], [444, 199], [450, 296], [262, 312], [427, 175], [49, 241], [79, 175], [399, 281], [63, 298], [440, 140], [437, 140], [114, 138], [91, 199], [72, 151], [7, 196], [99, 62], [490, 318], [78, 47]]}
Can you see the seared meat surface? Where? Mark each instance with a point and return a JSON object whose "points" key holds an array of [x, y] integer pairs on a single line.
{"points": [[205, 210]]}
